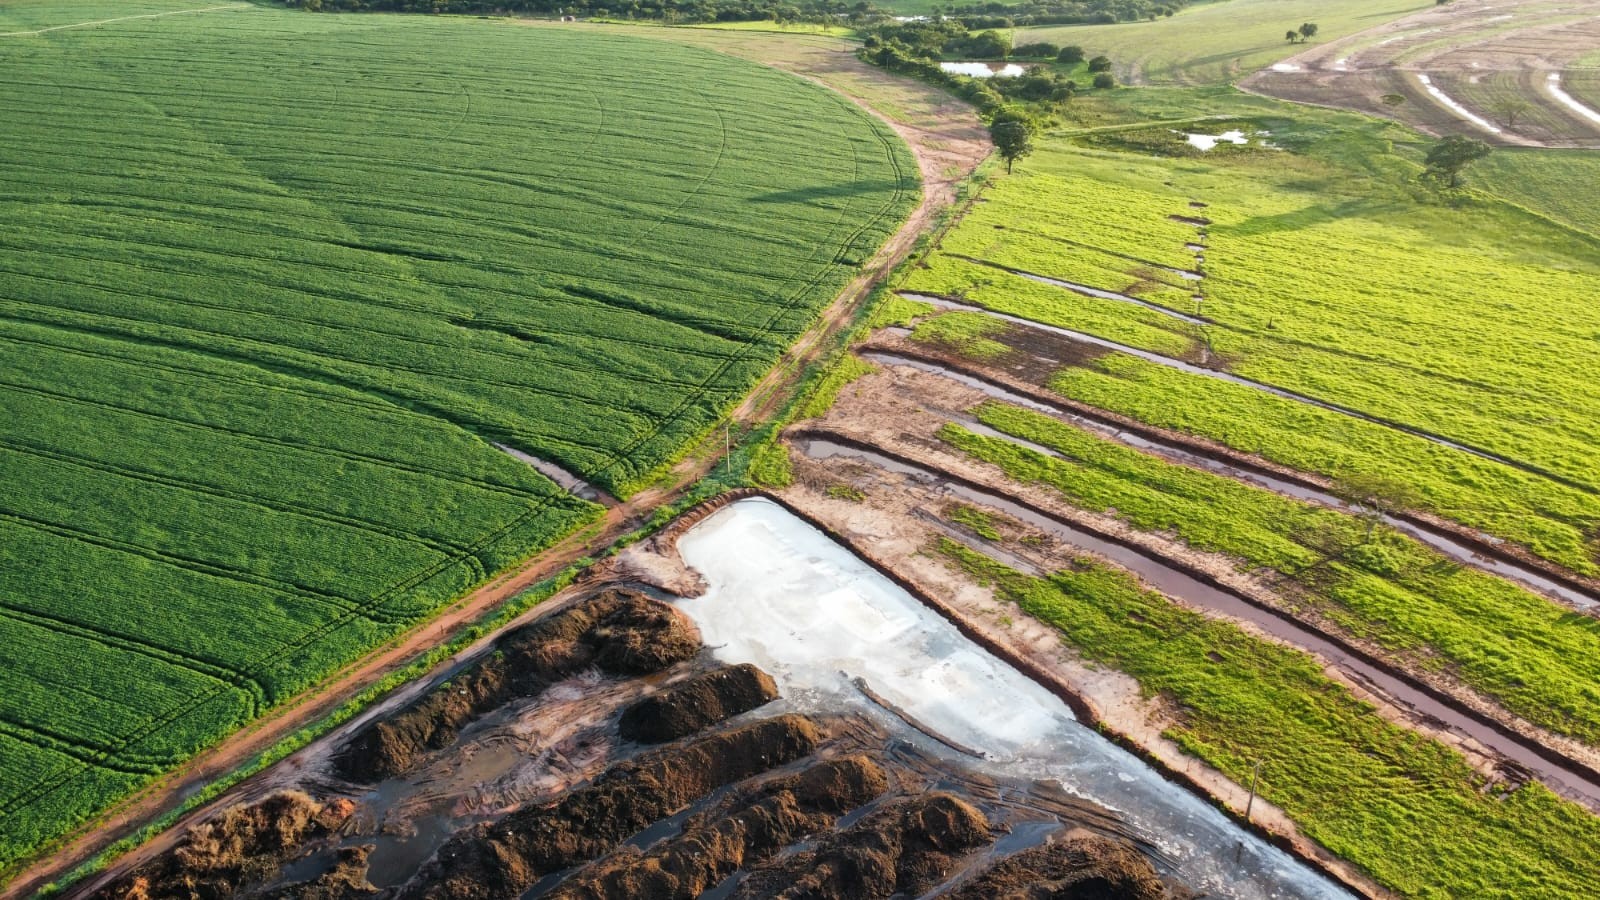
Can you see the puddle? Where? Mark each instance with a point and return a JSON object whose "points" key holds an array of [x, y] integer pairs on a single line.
{"points": [[983, 70], [1552, 83], [1457, 108], [567, 481], [1219, 375], [1204, 142], [1196, 593], [785, 597], [1285, 67]]}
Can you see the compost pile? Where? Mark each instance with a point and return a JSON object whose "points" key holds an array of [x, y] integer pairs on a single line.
{"points": [[702, 782]]}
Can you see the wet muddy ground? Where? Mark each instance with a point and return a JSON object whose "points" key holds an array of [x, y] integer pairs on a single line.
{"points": [[601, 750]]}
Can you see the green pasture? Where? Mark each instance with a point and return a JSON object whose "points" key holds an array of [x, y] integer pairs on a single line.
{"points": [[1537, 658], [270, 285], [1407, 810], [1330, 270]]}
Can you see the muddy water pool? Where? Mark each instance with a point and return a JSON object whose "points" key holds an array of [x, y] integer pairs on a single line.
{"points": [[785, 597]]}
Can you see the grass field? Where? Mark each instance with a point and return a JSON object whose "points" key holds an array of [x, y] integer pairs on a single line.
{"points": [[1331, 272], [1409, 811], [269, 288], [1537, 658], [1211, 43]]}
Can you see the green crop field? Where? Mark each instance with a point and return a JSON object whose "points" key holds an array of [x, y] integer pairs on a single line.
{"points": [[1332, 272], [1537, 658], [270, 285], [1409, 811], [1210, 43]]}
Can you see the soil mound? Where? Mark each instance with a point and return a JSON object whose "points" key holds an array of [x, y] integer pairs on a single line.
{"points": [[752, 826], [698, 703], [502, 859], [347, 878], [1080, 867], [907, 847], [622, 632], [244, 844]]}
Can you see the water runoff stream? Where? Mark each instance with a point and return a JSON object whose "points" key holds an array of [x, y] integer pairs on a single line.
{"points": [[785, 597]]}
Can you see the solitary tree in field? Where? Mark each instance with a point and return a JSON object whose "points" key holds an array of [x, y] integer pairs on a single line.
{"points": [[1448, 157], [1291, 35], [1308, 31], [1100, 64], [1012, 132], [1509, 108]]}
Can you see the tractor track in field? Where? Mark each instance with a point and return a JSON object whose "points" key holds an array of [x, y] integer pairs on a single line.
{"points": [[947, 145], [159, 15]]}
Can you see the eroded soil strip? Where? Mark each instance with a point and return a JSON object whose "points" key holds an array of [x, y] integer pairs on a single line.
{"points": [[1200, 590], [1192, 369], [1461, 544]]}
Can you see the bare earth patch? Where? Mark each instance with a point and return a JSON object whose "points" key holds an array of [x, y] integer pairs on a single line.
{"points": [[1478, 67]]}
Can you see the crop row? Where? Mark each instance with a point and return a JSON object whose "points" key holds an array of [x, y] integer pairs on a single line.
{"points": [[267, 292], [1409, 811], [1537, 658]]}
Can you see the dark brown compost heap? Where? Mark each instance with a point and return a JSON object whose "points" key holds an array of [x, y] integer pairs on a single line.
{"points": [[244, 844], [502, 859], [906, 847], [703, 700], [749, 827], [621, 632], [1080, 867]]}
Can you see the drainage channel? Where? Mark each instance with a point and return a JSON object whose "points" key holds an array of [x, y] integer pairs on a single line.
{"points": [[565, 480], [1439, 540], [1230, 378], [1560, 776], [1098, 293]]}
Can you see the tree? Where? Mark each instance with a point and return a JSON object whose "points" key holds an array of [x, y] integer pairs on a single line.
{"points": [[1291, 35], [1509, 108], [1070, 55], [1104, 80], [1012, 132], [1308, 31], [1453, 154], [1100, 64]]}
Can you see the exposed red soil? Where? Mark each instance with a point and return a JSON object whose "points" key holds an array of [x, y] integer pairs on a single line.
{"points": [[622, 633], [703, 700], [502, 859]]}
